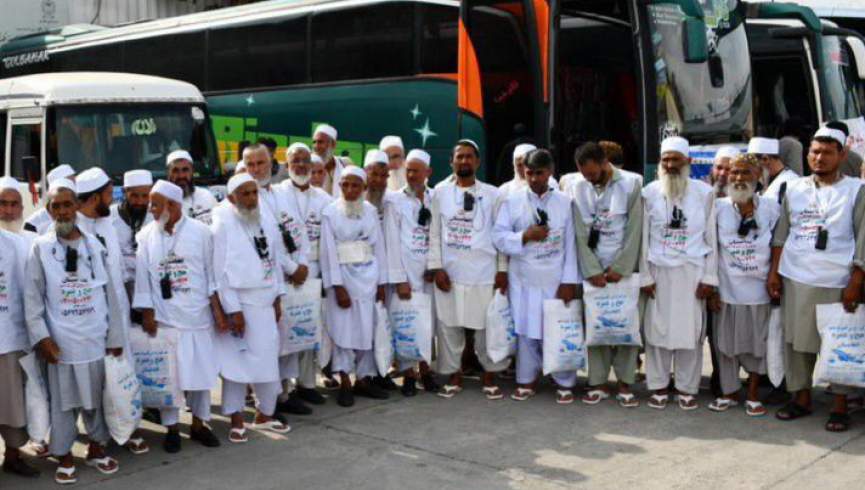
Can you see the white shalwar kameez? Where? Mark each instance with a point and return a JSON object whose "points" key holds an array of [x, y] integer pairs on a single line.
{"points": [[461, 243], [676, 261], [352, 256], [126, 239], [13, 340], [536, 270], [774, 188], [199, 205], [186, 256], [248, 283]]}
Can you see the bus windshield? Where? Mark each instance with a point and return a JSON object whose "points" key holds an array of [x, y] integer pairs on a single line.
{"points": [[699, 100], [840, 89], [121, 137]]}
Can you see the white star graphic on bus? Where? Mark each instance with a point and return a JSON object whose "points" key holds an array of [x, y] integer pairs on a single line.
{"points": [[415, 112], [425, 132], [250, 100]]}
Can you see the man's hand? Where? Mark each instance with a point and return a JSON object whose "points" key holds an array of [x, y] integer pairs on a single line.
{"points": [[713, 303], [238, 323], [704, 291], [613, 276], [442, 280], [342, 297], [48, 350], [116, 351], [277, 309], [380, 294], [403, 290], [501, 282], [535, 233], [223, 325], [599, 281], [774, 285], [851, 297], [148, 322], [299, 276], [567, 292], [429, 276], [648, 290]]}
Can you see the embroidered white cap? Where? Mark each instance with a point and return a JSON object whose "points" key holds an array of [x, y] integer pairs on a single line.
{"points": [[352, 170], [835, 134], [676, 144], [137, 178], [62, 184], [763, 146], [168, 190], [420, 156], [238, 180], [60, 172], [178, 155], [92, 179], [523, 149], [727, 152], [389, 141], [7, 183], [316, 159], [374, 157], [327, 130], [295, 147]]}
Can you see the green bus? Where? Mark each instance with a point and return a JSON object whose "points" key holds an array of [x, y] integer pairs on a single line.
{"points": [[278, 68]]}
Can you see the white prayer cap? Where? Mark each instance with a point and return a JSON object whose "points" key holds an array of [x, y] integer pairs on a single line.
{"points": [[178, 155], [314, 158], [240, 167], [523, 149], [61, 184], [9, 183], [237, 181], [168, 190], [61, 172], [835, 134], [353, 170], [676, 144], [420, 156], [763, 146], [294, 147], [92, 179], [389, 141], [137, 178], [374, 157], [726, 152], [327, 130]]}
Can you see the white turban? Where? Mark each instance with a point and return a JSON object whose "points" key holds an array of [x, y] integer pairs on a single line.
{"points": [[726, 152], [420, 156], [294, 147], [9, 183], [168, 190], [237, 181], [327, 130], [523, 149], [62, 172], [374, 157], [90, 180], [676, 144], [178, 155], [835, 134], [389, 141], [763, 146], [353, 170], [137, 178]]}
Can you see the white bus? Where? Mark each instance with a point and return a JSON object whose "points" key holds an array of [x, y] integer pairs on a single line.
{"points": [[116, 121]]}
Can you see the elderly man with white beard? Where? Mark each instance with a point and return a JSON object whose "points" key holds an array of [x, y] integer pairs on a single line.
{"points": [[395, 151], [72, 311], [774, 175], [247, 248], [175, 289], [678, 271], [354, 274], [40, 221], [375, 164], [745, 225], [324, 145]]}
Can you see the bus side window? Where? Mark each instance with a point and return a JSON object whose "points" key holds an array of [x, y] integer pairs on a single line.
{"points": [[438, 38], [2, 143], [179, 56], [25, 141]]}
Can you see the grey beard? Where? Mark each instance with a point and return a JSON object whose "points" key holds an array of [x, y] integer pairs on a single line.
{"points": [[251, 216], [162, 222], [298, 180], [720, 190], [741, 193], [397, 178], [13, 226], [64, 228], [352, 209], [262, 183], [674, 185]]}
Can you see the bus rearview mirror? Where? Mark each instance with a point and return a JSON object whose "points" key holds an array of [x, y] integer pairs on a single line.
{"points": [[695, 43]]}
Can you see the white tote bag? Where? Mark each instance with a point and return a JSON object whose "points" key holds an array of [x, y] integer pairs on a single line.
{"points": [[36, 398], [564, 342], [300, 325], [775, 348], [381, 341], [155, 360], [842, 346], [500, 329], [612, 312], [411, 326], [121, 399]]}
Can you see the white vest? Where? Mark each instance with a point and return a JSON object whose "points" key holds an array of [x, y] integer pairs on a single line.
{"points": [[243, 267], [670, 247], [413, 237], [468, 254], [608, 212], [829, 207]]}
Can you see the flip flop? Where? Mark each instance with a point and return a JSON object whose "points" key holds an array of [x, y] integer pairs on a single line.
{"points": [[838, 422], [687, 402], [70, 473], [137, 446], [492, 392], [522, 394], [273, 425], [627, 400], [658, 402], [564, 397], [101, 464], [237, 436], [449, 391], [792, 411], [755, 409], [595, 396], [721, 404]]}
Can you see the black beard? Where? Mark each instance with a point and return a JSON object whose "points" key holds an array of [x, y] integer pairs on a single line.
{"points": [[102, 210], [464, 172]]}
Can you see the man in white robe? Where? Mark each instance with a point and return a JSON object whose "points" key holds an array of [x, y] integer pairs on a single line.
{"points": [[40, 221], [353, 271], [818, 256], [535, 228], [616, 155], [721, 168], [393, 147], [130, 216], [608, 220], [324, 145], [407, 220], [519, 182], [775, 176], [745, 225], [375, 164], [466, 268], [72, 313], [247, 248], [318, 174], [678, 271], [175, 290], [198, 202]]}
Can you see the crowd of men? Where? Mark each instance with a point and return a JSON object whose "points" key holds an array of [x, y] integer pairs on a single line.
{"points": [[169, 259]]}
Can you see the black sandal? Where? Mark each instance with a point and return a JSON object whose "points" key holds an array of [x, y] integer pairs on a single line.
{"points": [[792, 411], [838, 422]]}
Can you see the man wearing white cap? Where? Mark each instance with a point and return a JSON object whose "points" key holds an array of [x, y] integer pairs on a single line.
{"points": [[407, 220], [535, 228], [318, 173], [198, 202], [393, 147], [354, 275], [609, 217], [721, 168], [521, 153], [324, 145], [73, 336], [375, 164], [678, 271], [775, 174], [175, 290], [247, 248], [130, 215], [818, 255], [466, 267], [12, 211], [39, 221]]}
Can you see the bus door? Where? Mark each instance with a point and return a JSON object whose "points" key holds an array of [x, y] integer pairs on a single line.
{"points": [[26, 155], [500, 81]]}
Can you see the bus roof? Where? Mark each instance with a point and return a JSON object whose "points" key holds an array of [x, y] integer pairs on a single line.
{"points": [[93, 88], [242, 14]]}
